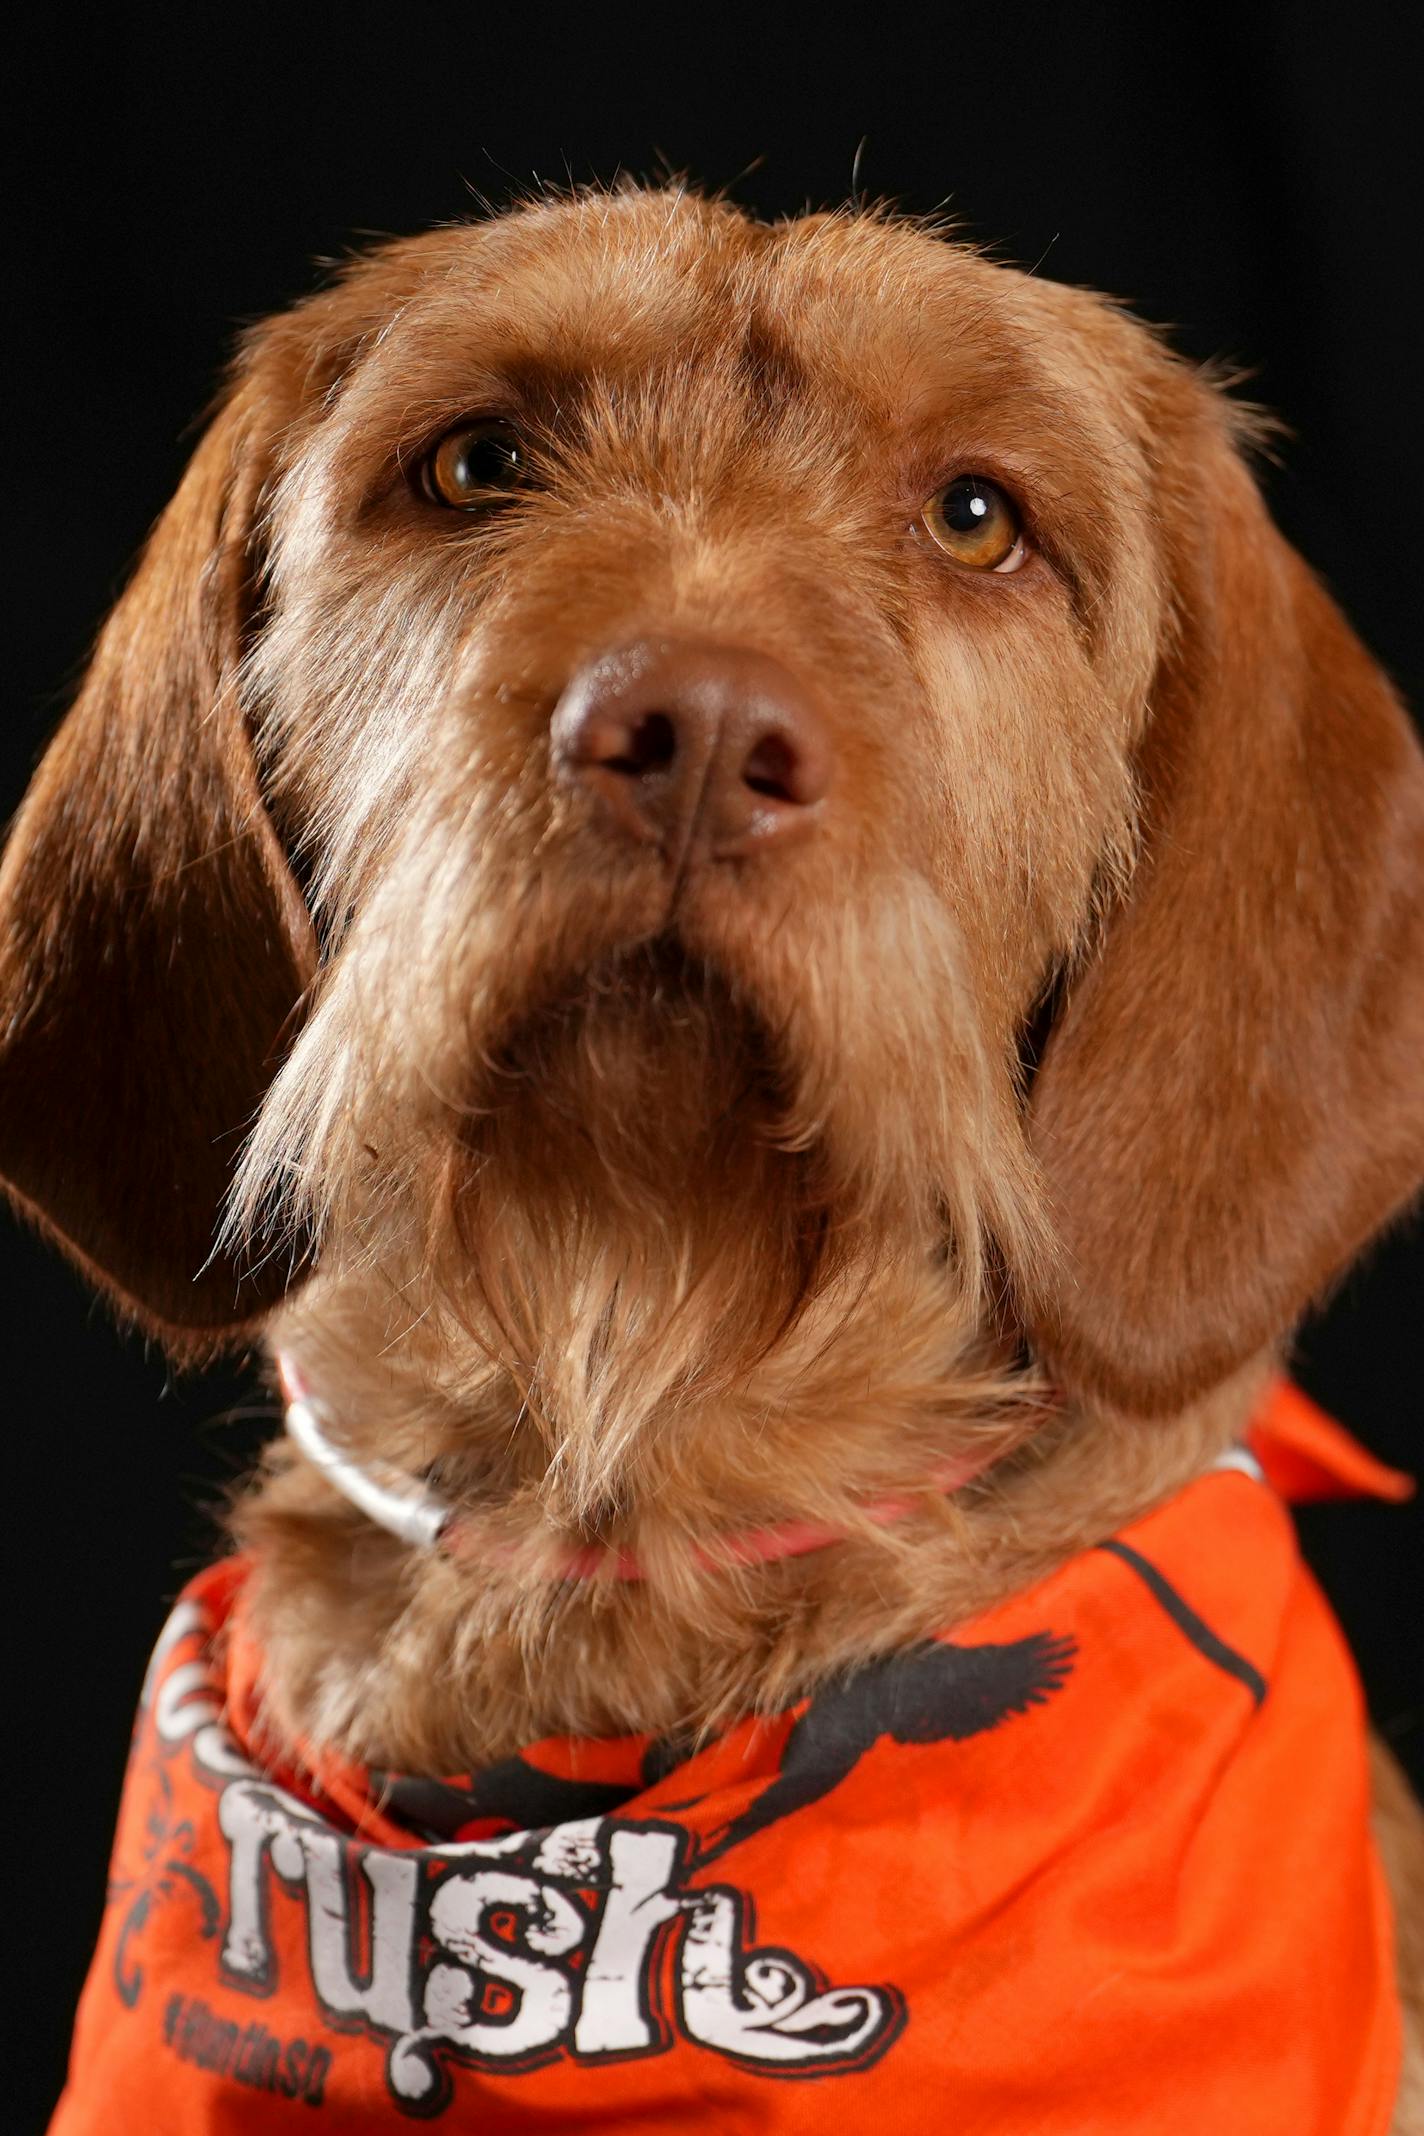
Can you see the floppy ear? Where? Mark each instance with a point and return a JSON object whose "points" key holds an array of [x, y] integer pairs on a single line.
{"points": [[1232, 1100], [153, 944]]}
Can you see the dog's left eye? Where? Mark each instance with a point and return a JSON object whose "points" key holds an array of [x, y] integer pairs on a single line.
{"points": [[973, 521], [475, 467]]}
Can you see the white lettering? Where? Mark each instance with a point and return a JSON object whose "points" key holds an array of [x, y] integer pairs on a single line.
{"points": [[393, 1880], [613, 2016], [500, 1989], [763, 2006]]}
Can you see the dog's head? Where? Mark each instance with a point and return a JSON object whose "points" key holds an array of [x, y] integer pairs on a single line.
{"points": [[628, 720]]}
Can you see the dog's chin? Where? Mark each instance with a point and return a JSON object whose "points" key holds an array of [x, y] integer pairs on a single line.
{"points": [[642, 1115], [651, 1057], [605, 1192], [616, 1229]]}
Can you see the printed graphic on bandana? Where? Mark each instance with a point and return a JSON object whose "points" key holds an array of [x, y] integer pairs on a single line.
{"points": [[556, 1939]]}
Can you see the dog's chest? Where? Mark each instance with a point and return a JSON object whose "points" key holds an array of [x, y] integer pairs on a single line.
{"points": [[1054, 1860]]}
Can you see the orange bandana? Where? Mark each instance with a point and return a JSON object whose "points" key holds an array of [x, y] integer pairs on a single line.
{"points": [[1100, 1861]]}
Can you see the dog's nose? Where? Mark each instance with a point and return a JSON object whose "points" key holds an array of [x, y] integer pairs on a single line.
{"points": [[690, 746]]}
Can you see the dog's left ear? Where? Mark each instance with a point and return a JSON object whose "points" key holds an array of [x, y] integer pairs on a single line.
{"points": [[153, 944], [1232, 1100]]}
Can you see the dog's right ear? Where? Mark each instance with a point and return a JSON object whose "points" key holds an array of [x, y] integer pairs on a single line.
{"points": [[153, 943]]}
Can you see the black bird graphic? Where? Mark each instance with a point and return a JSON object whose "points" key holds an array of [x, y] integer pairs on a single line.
{"points": [[932, 1694], [522, 1796]]}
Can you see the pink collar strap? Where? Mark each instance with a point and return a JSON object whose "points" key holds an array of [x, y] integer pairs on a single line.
{"points": [[420, 1517]]}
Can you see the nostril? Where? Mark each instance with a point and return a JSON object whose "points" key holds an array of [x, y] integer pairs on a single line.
{"points": [[643, 745], [771, 768], [779, 768], [633, 745]]}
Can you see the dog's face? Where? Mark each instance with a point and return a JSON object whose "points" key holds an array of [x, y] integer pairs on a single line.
{"points": [[626, 501], [711, 681]]}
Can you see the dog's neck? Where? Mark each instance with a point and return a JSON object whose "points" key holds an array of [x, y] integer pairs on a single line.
{"points": [[438, 1662], [413, 1511], [651, 1415]]}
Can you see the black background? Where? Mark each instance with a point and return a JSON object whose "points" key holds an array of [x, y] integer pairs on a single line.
{"points": [[1247, 177]]}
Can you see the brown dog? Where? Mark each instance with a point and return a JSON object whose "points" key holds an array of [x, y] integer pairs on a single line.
{"points": [[793, 884]]}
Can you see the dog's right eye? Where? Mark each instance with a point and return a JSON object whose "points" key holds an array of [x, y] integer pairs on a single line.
{"points": [[475, 467]]}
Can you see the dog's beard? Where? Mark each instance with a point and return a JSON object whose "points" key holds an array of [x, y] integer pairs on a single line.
{"points": [[602, 1192], [619, 1221], [644, 1106]]}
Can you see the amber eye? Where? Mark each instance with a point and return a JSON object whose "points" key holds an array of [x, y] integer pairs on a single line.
{"points": [[475, 467], [975, 523]]}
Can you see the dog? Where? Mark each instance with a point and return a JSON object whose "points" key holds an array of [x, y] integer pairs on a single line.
{"points": [[721, 879]]}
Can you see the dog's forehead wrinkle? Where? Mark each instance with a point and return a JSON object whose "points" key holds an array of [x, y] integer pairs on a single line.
{"points": [[612, 317]]}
